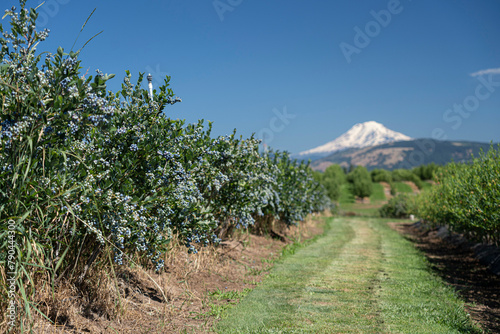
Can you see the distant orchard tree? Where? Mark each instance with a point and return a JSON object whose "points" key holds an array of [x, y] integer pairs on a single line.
{"points": [[381, 175], [332, 188], [426, 172], [332, 180], [361, 182], [317, 176], [335, 172]]}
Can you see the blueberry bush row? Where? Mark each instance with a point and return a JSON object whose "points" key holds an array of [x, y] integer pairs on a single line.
{"points": [[466, 198], [84, 169]]}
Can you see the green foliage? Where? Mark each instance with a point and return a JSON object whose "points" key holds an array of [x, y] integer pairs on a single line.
{"points": [[381, 175], [293, 194], [332, 187], [426, 172], [400, 187], [378, 193], [399, 175], [317, 176], [346, 195], [426, 185], [86, 173], [361, 182], [395, 177], [467, 197], [332, 180], [335, 172], [400, 206]]}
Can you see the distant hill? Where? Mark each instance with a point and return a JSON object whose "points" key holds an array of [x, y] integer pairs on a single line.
{"points": [[360, 135], [403, 154]]}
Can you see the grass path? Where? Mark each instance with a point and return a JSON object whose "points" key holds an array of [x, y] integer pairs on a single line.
{"points": [[360, 277]]}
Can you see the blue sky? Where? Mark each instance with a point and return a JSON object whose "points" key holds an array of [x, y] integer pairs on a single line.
{"points": [[301, 72]]}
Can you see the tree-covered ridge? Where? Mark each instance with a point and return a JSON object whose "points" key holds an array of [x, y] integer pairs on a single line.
{"points": [[404, 155]]}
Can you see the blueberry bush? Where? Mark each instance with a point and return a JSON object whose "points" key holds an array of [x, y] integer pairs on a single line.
{"points": [[467, 198], [399, 206], [86, 172]]}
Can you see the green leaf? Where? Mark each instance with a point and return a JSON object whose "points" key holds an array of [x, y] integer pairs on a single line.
{"points": [[62, 258]]}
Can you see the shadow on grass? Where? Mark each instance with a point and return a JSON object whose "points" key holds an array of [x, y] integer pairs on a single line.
{"points": [[458, 267]]}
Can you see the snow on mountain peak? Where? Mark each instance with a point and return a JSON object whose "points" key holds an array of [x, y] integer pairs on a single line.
{"points": [[364, 134]]}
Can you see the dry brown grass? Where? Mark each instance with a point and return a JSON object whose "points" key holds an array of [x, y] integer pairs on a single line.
{"points": [[142, 301], [3, 298]]}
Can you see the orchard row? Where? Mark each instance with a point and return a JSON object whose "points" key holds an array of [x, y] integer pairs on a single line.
{"points": [[83, 169]]}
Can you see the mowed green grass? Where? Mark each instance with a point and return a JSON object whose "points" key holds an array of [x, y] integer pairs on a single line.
{"points": [[346, 195], [362, 209], [378, 193], [360, 277], [401, 187], [426, 185], [348, 203]]}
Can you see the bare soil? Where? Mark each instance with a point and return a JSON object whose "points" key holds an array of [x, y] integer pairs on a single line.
{"points": [[387, 190], [458, 266], [413, 187]]}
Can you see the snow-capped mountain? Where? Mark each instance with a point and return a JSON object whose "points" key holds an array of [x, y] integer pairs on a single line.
{"points": [[360, 135]]}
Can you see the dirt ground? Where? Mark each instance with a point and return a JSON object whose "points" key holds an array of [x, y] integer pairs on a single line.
{"points": [[413, 187], [458, 267], [387, 190], [238, 264]]}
